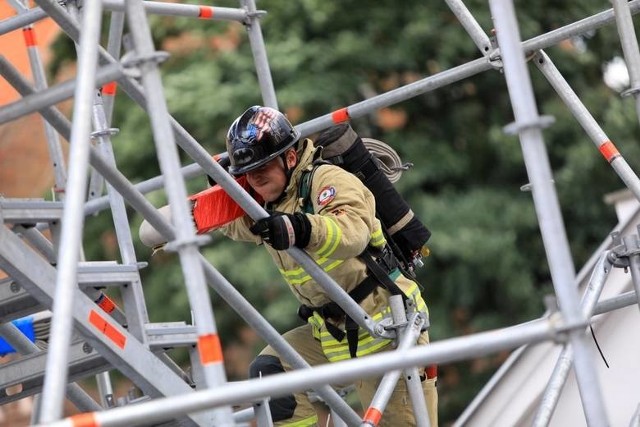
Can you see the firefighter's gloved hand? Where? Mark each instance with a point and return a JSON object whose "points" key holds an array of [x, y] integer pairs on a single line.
{"points": [[281, 230]]}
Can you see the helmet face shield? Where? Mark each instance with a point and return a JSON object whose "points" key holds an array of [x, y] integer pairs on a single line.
{"points": [[258, 136]]}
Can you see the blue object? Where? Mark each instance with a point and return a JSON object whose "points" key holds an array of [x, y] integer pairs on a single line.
{"points": [[26, 327]]}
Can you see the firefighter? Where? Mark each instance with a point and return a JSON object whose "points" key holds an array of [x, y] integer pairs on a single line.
{"points": [[264, 146]]}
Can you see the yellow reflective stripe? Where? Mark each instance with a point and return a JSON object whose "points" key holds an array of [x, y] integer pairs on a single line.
{"points": [[377, 239], [336, 350], [372, 346], [413, 289], [329, 341], [333, 237], [420, 306], [307, 422], [316, 321], [340, 351], [299, 276], [362, 351], [300, 272], [414, 293]]}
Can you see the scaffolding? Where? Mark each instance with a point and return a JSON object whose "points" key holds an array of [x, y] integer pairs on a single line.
{"points": [[90, 334]]}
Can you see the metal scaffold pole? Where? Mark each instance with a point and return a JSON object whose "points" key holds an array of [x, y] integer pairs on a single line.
{"points": [[528, 126], [185, 243], [588, 123], [40, 84], [451, 350], [629, 43], [72, 220], [470, 24], [563, 365], [258, 49]]}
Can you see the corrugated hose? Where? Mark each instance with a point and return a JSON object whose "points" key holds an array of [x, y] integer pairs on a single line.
{"points": [[387, 158]]}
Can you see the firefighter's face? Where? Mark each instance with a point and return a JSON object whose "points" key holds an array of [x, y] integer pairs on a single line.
{"points": [[270, 180]]}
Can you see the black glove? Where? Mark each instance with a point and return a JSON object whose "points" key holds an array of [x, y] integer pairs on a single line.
{"points": [[281, 230]]}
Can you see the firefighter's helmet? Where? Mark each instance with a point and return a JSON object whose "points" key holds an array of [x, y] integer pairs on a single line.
{"points": [[258, 136]]}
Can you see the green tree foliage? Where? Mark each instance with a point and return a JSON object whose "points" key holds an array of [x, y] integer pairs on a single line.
{"points": [[488, 268]]}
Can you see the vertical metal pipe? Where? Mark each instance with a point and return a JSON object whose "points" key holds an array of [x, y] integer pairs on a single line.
{"points": [[40, 83], [407, 337], [96, 183], [562, 367], [133, 295], [114, 44], [186, 242], [262, 414], [105, 389], [629, 43], [633, 249], [72, 218], [260, 54], [554, 387], [411, 375], [554, 237]]}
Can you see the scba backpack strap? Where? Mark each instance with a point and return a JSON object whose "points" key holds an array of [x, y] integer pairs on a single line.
{"points": [[381, 263], [304, 190], [406, 234]]}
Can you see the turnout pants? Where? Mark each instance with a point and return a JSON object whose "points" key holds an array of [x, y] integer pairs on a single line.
{"points": [[300, 413]]}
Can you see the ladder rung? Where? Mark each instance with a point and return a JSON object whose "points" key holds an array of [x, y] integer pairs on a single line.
{"points": [[15, 302], [30, 211], [107, 273], [28, 370], [169, 335]]}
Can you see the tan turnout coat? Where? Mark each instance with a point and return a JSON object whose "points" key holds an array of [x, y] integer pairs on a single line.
{"points": [[343, 224]]}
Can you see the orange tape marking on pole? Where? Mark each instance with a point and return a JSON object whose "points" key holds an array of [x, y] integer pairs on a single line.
{"points": [[206, 12], [341, 115], [107, 328], [88, 419], [106, 303], [372, 416], [29, 37], [609, 151], [109, 89], [209, 349]]}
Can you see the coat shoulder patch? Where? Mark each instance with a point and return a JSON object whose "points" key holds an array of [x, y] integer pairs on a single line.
{"points": [[326, 195]]}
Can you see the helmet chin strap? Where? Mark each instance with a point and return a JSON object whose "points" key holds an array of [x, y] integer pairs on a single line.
{"points": [[288, 172]]}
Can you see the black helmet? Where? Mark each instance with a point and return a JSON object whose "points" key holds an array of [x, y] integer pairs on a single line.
{"points": [[258, 136]]}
